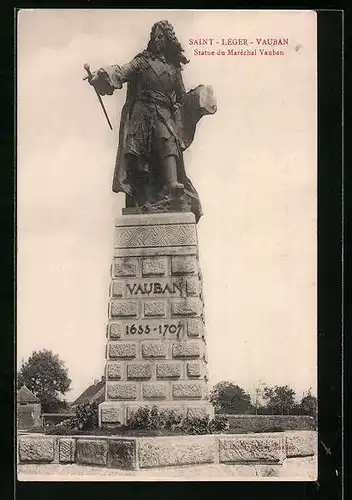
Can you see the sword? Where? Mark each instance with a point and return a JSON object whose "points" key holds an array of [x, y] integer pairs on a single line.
{"points": [[87, 68]]}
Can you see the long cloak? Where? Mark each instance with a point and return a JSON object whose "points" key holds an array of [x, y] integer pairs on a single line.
{"points": [[196, 103]]}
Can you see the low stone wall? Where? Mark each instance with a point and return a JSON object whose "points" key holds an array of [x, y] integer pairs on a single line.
{"points": [[271, 423], [148, 452], [55, 418]]}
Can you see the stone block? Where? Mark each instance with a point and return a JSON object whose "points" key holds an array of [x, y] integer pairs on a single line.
{"points": [[160, 235], [67, 450], [140, 370], [119, 390], [168, 370], [184, 265], [122, 350], [301, 444], [154, 308], [186, 349], [195, 327], [114, 370], [156, 266], [189, 306], [110, 413], [154, 349], [115, 330], [122, 453], [171, 451], [155, 251], [234, 449], [144, 220], [193, 369], [193, 286], [188, 390], [123, 308], [124, 267], [92, 451], [154, 391], [36, 449], [118, 288]]}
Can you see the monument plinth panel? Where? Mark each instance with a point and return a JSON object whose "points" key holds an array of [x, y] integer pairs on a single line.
{"points": [[156, 349]]}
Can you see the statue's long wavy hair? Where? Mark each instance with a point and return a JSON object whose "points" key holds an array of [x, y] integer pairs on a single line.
{"points": [[174, 50]]}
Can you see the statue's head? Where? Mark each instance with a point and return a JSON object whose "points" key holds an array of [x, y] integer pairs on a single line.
{"points": [[163, 40]]}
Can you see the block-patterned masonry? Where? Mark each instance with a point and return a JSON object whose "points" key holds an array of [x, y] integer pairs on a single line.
{"points": [[156, 348], [148, 452]]}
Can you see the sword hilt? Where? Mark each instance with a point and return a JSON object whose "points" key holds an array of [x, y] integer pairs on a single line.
{"points": [[87, 68]]}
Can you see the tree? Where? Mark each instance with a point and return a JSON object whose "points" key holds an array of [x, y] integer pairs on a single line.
{"points": [[45, 374], [20, 381], [309, 405], [280, 399], [230, 398]]}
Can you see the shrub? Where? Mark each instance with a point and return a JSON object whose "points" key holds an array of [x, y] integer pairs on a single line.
{"points": [[85, 418], [219, 424], [195, 425], [142, 419], [150, 419], [155, 418]]}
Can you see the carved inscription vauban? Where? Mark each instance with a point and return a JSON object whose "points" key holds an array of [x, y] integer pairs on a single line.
{"points": [[165, 287], [155, 288]]}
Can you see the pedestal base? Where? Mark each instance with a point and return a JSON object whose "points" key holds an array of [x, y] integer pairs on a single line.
{"points": [[156, 348]]}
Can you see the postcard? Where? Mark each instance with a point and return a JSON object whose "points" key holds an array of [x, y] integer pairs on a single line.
{"points": [[167, 245]]}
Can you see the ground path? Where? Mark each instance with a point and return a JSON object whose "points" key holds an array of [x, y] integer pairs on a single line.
{"points": [[294, 468]]}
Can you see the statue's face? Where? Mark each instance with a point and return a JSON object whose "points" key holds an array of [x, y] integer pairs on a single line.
{"points": [[159, 39]]}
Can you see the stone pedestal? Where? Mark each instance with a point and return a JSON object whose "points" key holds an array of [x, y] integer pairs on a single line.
{"points": [[156, 349]]}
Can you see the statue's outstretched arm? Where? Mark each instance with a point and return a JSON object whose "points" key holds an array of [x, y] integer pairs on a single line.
{"points": [[110, 78]]}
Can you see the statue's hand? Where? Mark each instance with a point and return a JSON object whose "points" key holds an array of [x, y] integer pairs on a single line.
{"points": [[100, 81]]}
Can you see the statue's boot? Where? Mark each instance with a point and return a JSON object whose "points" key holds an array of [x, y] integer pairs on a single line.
{"points": [[172, 186]]}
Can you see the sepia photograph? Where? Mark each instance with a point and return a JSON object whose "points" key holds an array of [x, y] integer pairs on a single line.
{"points": [[166, 245]]}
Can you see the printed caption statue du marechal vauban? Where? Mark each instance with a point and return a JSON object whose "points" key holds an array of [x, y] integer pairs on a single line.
{"points": [[158, 123]]}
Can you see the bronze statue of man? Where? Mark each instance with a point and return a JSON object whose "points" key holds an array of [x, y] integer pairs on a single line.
{"points": [[158, 123]]}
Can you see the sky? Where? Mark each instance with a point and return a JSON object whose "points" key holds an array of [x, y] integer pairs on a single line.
{"points": [[253, 163]]}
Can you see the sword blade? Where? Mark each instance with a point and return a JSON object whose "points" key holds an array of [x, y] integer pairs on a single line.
{"points": [[102, 105], [87, 68]]}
